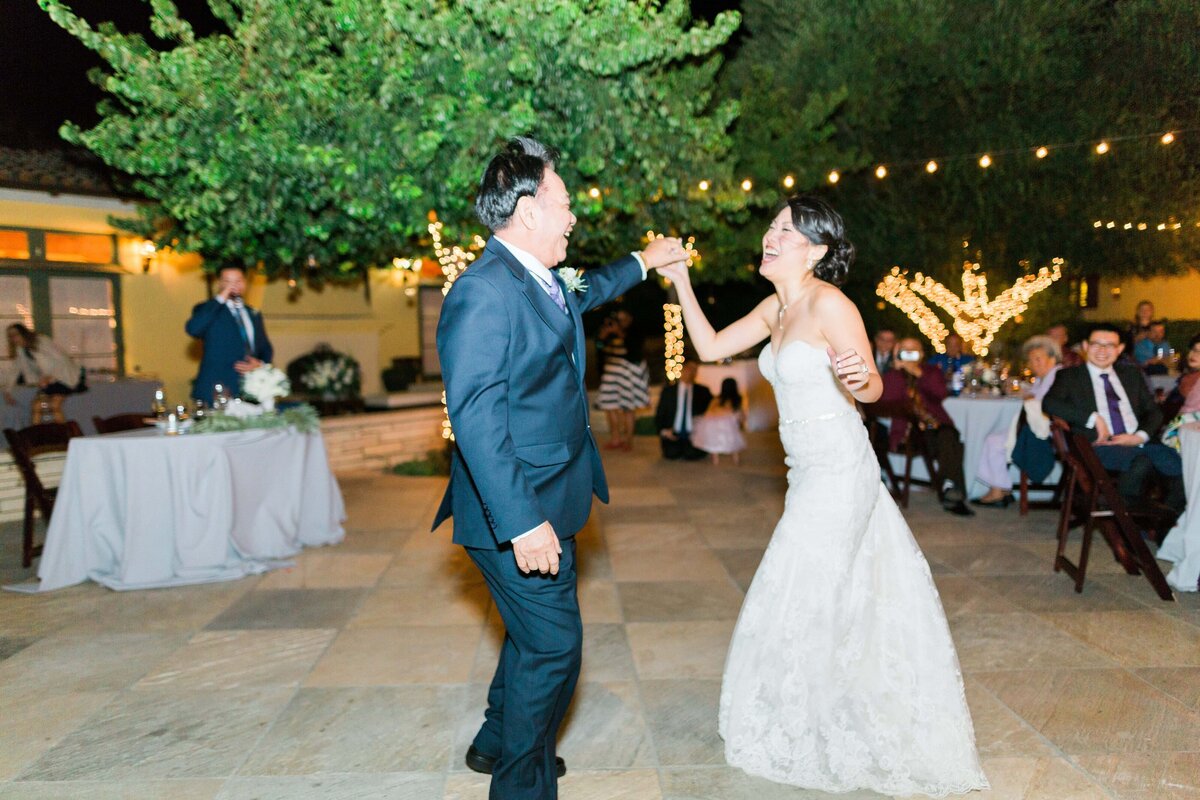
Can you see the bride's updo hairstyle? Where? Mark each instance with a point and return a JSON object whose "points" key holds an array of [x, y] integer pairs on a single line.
{"points": [[820, 224]]}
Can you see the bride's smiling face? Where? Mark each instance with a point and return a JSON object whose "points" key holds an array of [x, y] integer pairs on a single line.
{"points": [[787, 251]]}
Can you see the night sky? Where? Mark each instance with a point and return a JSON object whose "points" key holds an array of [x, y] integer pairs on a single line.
{"points": [[43, 70]]}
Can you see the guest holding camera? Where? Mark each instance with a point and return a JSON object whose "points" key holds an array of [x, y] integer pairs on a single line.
{"points": [[921, 389]]}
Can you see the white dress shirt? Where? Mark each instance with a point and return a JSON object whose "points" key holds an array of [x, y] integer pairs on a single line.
{"points": [[545, 278], [683, 408], [1127, 415]]}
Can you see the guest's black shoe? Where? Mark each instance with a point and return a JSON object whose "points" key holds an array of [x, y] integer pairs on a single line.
{"points": [[960, 508], [480, 762], [1004, 502]]}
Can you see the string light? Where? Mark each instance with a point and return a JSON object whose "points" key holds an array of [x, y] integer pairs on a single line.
{"points": [[1102, 148], [788, 181], [747, 185], [931, 167], [1172, 224], [976, 317], [673, 339], [447, 430], [834, 177], [881, 172], [1042, 152], [704, 186], [1167, 138], [452, 260], [985, 161], [594, 192]]}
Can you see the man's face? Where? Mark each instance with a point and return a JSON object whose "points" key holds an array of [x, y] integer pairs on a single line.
{"points": [[1059, 334], [1103, 348], [1158, 332], [954, 345], [234, 280], [884, 341], [554, 219]]}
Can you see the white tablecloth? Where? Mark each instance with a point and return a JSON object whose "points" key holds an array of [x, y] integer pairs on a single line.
{"points": [[102, 399], [975, 418], [761, 412], [1182, 545], [142, 510]]}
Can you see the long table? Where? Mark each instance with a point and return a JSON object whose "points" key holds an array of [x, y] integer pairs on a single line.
{"points": [[102, 399], [141, 510]]}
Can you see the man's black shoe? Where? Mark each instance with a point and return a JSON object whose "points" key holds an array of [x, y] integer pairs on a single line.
{"points": [[960, 508], [485, 763]]}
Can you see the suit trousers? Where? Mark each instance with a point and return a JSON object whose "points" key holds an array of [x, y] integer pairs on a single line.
{"points": [[1135, 465], [947, 448], [536, 677], [680, 448]]}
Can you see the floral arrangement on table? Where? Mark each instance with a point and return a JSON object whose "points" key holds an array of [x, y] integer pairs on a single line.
{"points": [[265, 385], [302, 417], [985, 374], [335, 376]]}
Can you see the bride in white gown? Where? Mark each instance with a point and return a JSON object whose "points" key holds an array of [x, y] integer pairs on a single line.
{"points": [[841, 674]]}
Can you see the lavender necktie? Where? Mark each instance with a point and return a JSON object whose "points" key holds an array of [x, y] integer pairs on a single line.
{"points": [[556, 294], [1114, 406]]}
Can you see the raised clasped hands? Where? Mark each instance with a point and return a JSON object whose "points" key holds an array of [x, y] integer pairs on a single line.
{"points": [[661, 252], [851, 369], [538, 551]]}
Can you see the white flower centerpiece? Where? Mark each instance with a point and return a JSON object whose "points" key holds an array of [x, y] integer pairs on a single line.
{"points": [[265, 385], [332, 377]]}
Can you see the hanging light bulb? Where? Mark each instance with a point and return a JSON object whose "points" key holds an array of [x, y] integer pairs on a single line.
{"points": [[931, 167], [1042, 152], [747, 185], [704, 186], [834, 176], [881, 172], [1167, 138], [1102, 148], [985, 161], [789, 182], [594, 193]]}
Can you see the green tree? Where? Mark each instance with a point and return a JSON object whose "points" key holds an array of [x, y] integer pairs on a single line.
{"points": [[322, 132]]}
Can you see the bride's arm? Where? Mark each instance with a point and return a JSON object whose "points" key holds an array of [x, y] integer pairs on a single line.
{"points": [[712, 345], [843, 328]]}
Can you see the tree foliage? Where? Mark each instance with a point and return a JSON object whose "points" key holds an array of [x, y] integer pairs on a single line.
{"points": [[322, 132], [915, 79]]}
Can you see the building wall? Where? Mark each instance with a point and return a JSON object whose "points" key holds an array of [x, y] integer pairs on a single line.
{"points": [[1174, 297]]}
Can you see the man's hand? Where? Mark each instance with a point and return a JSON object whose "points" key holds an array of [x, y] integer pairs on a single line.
{"points": [[911, 367], [248, 364], [1125, 440], [1102, 432], [661, 252], [667, 433], [539, 550]]}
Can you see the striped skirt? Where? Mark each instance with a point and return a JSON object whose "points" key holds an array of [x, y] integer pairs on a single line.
{"points": [[624, 386]]}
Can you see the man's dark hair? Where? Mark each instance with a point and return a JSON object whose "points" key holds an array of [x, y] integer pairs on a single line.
{"points": [[239, 267], [514, 173], [1104, 327]]}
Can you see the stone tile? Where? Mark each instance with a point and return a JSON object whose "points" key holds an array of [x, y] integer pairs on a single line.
{"points": [[680, 601], [615, 514], [77, 663], [1096, 710], [1135, 638], [467, 786], [359, 730], [576, 785], [740, 564], [963, 595], [384, 786], [1147, 776], [35, 615], [988, 559], [1056, 592], [605, 729], [1038, 779], [291, 608], [183, 609], [669, 536], [606, 654], [1182, 683], [687, 565], [598, 601], [998, 731], [677, 650], [194, 789], [754, 536], [375, 541], [31, 725], [11, 645], [1018, 641], [161, 734], [394, 656], [682, 716], [640, 496], [431, 559], [730, 783], [217, 660], [450, 603], [329, 570]]}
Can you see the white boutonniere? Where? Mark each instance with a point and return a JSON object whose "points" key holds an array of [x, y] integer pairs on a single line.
{"points": [[573, 279]]}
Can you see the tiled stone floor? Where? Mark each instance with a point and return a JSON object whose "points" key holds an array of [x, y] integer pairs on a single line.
{"points": [[361, 673]]}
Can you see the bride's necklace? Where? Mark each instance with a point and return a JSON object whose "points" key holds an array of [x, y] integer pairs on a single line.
{"points": [[783, 307]]}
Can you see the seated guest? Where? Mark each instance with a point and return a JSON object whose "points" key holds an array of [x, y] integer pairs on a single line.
{"points": [[38, 361], [1151, 352], [1187, 390], [921, 388], [953, 359], [883, 343], [1110, 404], [1061, 337], [1139, 329], [680, 403], [1027, 445]]}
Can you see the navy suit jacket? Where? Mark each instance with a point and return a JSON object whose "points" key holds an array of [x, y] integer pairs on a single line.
{"points": [[224, 345], [513, 367]]}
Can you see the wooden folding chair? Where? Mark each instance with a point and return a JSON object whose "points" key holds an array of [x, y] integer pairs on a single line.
{"points": [[25, 445], [121, 422], [1093, 502], [912, 447]]}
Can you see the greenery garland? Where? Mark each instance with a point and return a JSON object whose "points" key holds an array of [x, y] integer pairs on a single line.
{"points": [[302, 417]]}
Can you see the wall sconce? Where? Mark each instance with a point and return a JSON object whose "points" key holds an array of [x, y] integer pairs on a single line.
{"points": [[148, 251]]}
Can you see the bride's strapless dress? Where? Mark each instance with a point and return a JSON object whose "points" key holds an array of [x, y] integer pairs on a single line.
{"points": [[841, 674]]}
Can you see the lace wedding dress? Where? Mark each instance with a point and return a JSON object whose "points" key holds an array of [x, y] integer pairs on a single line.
{"points": [[841, 674]]}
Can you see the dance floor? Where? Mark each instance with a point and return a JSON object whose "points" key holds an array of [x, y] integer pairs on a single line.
{"points": [[361, 673]]}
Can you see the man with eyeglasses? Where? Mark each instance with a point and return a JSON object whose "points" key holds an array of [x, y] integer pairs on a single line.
{"points": [[1109, 403]]}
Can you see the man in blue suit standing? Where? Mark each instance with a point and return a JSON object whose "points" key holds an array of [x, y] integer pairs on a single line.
{"points": [[511, 345], [235, 339]]}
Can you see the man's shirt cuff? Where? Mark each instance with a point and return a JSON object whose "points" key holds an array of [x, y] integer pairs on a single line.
{"points": [[641, 263]]}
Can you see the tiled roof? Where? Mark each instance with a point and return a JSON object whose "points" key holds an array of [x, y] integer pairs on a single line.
{"points": [[60, 171]]}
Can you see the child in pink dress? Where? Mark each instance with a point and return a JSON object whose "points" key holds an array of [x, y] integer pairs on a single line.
{"points": [[719, 431]]}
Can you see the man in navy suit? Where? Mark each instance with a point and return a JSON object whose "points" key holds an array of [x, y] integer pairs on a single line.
{"points": [[235, 339], [511, 346]]}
